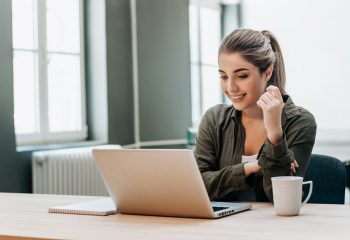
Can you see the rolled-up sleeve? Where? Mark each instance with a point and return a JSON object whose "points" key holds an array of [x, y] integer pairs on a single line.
{"points": [[297, 143], [218, 182]]}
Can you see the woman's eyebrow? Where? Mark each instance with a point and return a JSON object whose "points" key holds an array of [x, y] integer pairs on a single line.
{"points": [[235, 71], [240, 69]]}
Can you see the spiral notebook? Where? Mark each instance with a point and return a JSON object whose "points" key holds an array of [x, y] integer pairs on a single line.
{"points": [[100, 207]]}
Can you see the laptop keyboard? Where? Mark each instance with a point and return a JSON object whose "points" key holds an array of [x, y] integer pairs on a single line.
{"points": [[215, 209]]}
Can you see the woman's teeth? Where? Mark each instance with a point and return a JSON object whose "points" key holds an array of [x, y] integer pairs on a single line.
{"points": [[237, 97]]}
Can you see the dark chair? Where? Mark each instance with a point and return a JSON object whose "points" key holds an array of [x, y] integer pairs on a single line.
{"points": [[328, 175]]}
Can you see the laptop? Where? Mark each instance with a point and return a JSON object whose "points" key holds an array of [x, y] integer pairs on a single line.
{"points": [[159, 182]]}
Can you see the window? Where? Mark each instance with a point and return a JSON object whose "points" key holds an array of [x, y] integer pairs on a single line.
{"points": [[205, 37], [48, 65], [316, 54]]}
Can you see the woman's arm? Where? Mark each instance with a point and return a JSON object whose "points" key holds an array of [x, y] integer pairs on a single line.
{"points": [[218, 182], [280, 149], [276, 160]]}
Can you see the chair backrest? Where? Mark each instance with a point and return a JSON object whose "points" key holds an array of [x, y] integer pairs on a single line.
{"points": [[328, 175]]}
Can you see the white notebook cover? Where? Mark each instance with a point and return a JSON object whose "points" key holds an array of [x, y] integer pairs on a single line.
{"points": [[100, 207]]}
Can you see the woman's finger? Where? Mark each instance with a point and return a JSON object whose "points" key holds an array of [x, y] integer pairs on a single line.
{"points": [[292, 167], [266, 99], [269, 95], [275, 91], [296, 163], [261, 104]]}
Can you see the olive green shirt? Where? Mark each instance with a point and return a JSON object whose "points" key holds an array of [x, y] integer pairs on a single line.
{"points": [[220, 146]]}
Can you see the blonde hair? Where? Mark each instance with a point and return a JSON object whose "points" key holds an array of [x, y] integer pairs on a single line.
{"points": [[259, 48]]}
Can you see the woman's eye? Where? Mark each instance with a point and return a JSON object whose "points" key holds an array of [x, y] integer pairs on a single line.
{"points": [[243, 76], [223, 77]]}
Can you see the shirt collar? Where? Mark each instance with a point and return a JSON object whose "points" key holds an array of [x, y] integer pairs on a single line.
{"points": [[289, 109]]}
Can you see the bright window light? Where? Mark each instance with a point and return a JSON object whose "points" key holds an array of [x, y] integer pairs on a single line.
{"points": [[205, 36], [48, 71]]}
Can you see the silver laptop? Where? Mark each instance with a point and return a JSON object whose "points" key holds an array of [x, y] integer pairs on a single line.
{"points": [[162, 182]]}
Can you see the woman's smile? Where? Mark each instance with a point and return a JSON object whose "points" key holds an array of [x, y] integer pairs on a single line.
{"points": [[238, 98]]}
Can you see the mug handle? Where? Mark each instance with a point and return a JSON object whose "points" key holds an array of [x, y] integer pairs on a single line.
{"points": [[310, 191]]}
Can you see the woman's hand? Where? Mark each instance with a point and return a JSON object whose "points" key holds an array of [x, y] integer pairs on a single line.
{"points": [[254, 167], [251, 167], [271, 103]]}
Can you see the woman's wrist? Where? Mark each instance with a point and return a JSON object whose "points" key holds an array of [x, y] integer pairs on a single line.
{"points": [[247, 169], [251, 167], [275, 137]]}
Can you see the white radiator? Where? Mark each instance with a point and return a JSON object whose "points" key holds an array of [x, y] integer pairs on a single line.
{"points": [[70, 171]]}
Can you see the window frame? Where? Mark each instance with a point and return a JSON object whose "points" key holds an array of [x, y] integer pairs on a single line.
{"points": [[44, 136], [199, 64]]}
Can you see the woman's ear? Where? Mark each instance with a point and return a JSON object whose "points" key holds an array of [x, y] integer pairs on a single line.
{"points": [[268, 73]]}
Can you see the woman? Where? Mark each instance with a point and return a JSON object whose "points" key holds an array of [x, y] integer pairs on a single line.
{"points": [[262, 134]]}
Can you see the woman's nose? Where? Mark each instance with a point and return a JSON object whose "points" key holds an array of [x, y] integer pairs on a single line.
{"points": [[231, 86]]}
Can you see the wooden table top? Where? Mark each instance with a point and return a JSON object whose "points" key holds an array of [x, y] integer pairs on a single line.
{"points": [[26, 216]]}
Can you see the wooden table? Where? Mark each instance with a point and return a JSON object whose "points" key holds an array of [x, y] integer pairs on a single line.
{"points": [[26, 216]]}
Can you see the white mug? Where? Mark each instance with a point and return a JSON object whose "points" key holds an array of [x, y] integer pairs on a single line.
{"points": [[287, 194]]}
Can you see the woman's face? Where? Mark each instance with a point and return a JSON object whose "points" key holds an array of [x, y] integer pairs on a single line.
{"points": [[241, 81]]}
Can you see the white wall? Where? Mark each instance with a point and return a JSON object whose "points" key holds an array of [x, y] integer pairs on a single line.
{"points": [[315, 40]]}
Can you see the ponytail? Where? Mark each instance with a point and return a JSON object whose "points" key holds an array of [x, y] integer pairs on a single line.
{"points": [[278, 77]]}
